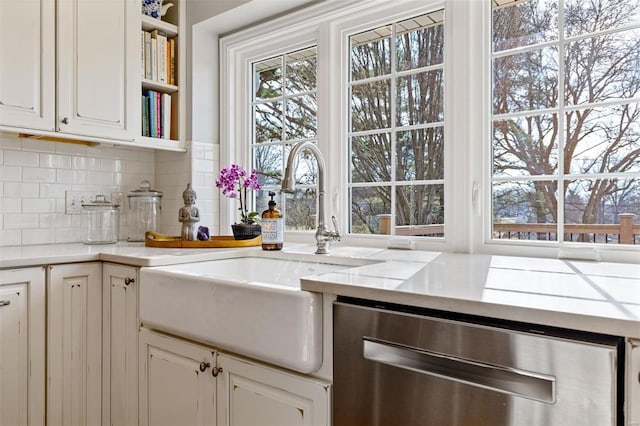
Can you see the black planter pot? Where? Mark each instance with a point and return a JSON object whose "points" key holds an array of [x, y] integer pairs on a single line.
{"points": [[242, 231]]}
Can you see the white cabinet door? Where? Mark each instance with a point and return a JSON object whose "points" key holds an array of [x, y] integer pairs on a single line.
{"points": [[120, 342], [74, 336], [251, 394], [27, 64], [98, 68], [22, 347], [177, 387]]}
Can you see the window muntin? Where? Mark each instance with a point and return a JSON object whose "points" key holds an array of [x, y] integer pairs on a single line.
{"points": [[396, 129], [284, 109], [565, 132]]}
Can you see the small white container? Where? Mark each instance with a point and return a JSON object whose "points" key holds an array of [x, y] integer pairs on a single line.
{"points": [[101, 221]]}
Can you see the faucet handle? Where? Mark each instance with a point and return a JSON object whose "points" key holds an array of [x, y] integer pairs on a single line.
{"points": [[335, 234]]}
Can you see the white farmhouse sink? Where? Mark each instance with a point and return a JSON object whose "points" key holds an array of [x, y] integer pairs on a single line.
{"points": [[249, 305]]}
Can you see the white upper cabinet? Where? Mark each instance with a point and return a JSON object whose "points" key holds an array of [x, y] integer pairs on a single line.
{"points": [[70, 68], [27, 64], [96, 70]]}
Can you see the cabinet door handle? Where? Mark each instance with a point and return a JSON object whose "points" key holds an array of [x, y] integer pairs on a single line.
{"points": [[4, 303], [215, 371], [128, 281], [65, 120], [204, 366]]}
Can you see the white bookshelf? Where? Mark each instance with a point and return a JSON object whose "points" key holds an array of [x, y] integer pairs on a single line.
{"points": [[168, 25]]}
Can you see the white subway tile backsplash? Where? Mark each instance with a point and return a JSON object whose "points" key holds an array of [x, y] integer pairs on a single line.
{"points": [[38, 236], [10, 205], [100, 178], [37, 174], [21, 190], [10, 173], [71, 148], [40, 146], [110, 165], [38, 205], [52, 190], [69, 235], [20, 221], [10, 237], [70, 176], [21, 158], [10, 143], [85, 163], [55, 161]]}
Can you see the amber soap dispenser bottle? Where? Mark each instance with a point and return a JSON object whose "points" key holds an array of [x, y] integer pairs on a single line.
{"points": [[272, 226]]}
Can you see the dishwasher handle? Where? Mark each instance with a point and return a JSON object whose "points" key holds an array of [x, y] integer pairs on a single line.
{"points": [[508, 380]]}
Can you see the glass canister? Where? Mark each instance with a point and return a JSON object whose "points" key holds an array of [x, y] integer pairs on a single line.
{"points": [[144, 211], [101, 221]]}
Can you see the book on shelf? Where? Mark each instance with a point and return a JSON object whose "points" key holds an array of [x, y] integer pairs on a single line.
{"points": [[151, 113], [143, 72], [172, 61], [154, 59], [166, 116], [145, 115], [158, 55], [147, 55], [162, 57], [156, 114]]}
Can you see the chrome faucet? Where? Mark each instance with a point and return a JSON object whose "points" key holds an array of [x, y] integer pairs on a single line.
{"points": [[323, 235]]}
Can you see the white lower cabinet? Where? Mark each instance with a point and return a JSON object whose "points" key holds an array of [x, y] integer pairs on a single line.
{"points": [[120, 344], [252, 394], [22, 347], [186, 383], [74, 344], [176, 385]]}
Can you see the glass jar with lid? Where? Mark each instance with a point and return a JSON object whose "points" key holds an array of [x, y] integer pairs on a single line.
{"points": [[101, 221], [144, 212]]}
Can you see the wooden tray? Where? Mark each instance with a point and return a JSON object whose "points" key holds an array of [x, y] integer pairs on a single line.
{"points": [[154, 239]]}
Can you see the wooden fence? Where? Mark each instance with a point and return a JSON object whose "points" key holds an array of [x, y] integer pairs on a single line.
{"points": [[624, 232]]}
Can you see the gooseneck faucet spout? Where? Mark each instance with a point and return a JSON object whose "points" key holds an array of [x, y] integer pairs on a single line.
{"points": [[323, 235]]}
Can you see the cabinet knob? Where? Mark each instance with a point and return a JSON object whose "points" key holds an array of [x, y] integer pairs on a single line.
{"points": [[65, 120], [204, 366], [215, 371], [4, 303], [128, 280]]}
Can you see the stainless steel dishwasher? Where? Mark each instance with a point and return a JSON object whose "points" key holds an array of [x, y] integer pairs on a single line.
{"points": [[404, 366]]}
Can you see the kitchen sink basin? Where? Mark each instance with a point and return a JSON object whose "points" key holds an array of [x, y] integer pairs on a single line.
{"points": [[249, 305]]}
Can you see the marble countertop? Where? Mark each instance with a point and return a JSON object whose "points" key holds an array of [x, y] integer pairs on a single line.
{"points": [[591, 296], [581, 295], [136, 254]]}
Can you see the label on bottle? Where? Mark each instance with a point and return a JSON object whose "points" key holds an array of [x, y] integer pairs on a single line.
{"points": [[272, 231]]}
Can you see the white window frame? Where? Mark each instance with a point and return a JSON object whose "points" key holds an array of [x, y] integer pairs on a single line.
{"points": [[328, 24], [559, 249]]}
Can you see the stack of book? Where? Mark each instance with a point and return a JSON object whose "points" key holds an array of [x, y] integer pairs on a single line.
{"points": [[156, 114], [158, 57]]}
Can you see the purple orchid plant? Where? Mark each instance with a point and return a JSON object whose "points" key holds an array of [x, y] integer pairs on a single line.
{"points": [[235, 183]]}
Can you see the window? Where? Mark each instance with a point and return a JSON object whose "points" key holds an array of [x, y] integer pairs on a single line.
{"points": [[566, 120], [284, 109], [520, 137], [396, 132]]}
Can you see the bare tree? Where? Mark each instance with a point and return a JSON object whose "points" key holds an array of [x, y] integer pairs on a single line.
{"points": [[600, 138]]}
